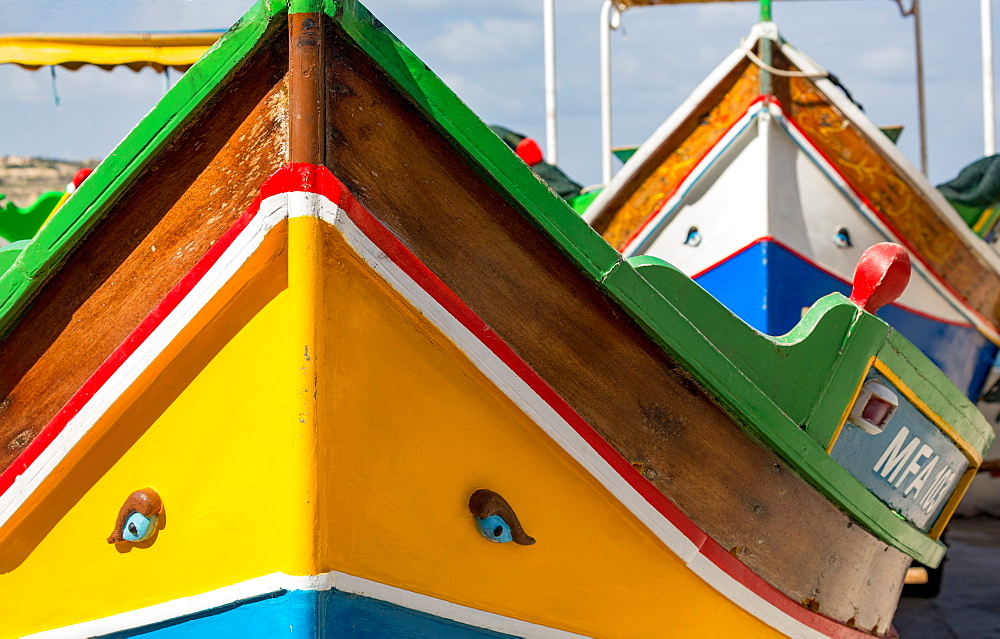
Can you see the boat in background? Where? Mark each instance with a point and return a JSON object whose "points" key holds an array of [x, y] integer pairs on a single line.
{"points": [[314, 351], [768, 183]]}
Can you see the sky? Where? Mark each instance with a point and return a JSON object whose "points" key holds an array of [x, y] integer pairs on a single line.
{"points": [[490, 53]]}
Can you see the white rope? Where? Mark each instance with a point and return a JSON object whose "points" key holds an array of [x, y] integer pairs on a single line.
{"points": [[780, 72]]}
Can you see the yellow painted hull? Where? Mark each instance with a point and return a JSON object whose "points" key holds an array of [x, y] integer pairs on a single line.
{"points": [[309, 419]]}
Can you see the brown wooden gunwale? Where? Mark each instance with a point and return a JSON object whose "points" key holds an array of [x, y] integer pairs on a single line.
{"points": [[410, 177], [152, 235]]}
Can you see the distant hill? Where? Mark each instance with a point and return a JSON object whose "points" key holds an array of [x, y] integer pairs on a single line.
{"points": [[23, 179]]}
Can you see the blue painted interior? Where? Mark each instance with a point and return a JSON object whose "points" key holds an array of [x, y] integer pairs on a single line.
{"points": [[768, 286], [309, 614]]}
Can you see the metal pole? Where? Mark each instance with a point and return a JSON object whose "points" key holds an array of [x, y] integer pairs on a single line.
{"points": [[921, 107], [549, 22], [989, 106], [606, 28]]}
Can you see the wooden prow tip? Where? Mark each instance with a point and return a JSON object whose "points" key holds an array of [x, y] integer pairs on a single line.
{"points": [[881, 276]]}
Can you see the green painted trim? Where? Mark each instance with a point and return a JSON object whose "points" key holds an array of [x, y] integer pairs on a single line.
{"points": [[861, 341], [580, 203], [765, 10], [624, 153], [329, 7], [892, 132], [21, 224], [9, 253]]}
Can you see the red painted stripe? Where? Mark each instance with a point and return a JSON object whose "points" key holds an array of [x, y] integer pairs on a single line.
{"points": [[313, 179], [817, 265]]}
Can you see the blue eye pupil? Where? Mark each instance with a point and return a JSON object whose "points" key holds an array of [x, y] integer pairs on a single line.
{"points": [[494, 528], [138, 527]]}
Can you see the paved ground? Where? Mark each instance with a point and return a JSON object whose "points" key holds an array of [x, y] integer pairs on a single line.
{"points": [[969, 604]]}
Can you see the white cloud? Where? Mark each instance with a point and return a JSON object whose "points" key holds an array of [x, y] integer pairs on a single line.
{"points": [[727, 14], [491, 39], [25, 87], [886, 61]]}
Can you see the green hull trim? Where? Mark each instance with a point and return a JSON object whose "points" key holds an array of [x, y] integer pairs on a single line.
{"points": [[789, 392], [22, 224]]}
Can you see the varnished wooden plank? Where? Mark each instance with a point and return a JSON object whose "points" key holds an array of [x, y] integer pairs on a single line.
{"points": [[407, 174], [152, 235]]}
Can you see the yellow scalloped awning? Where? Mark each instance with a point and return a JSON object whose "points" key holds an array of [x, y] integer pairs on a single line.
{"points": [[107, 50]]}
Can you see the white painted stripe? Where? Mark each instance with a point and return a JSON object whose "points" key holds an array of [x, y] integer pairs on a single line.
{"points": [[443, 608], [279, 581], [221, 272]]}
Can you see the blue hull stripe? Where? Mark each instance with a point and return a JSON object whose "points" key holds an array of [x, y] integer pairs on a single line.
{"points": [[768, 286], [308, 614]]}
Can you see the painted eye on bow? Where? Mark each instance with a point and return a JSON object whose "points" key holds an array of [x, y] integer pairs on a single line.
{"points": [[693, 237], [495, 519], [138, 517], [138, 527], [842, 238]]}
